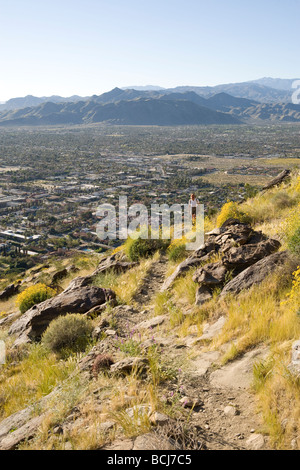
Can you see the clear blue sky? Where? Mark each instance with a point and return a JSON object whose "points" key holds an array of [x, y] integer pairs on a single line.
{"points": [[87, 47]]}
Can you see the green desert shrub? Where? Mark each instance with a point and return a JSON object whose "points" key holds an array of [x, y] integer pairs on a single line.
{"points": [[283, 200], [68, 334], [140, 248], [177, 252], [34, 295], [294, 242]]}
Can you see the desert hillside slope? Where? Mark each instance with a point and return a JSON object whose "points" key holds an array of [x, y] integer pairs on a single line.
{"points": [[156, 347]]}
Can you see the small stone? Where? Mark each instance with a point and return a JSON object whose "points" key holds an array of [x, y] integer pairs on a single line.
{"points": [[152, 323], [255, 442], [107, 426], [68, 446], [110, 332], [58, 430], [129, 364], [187, 402], [152, 442], [120, 444], [230, 410], [294, 445], [138, 414], [159, 418]]}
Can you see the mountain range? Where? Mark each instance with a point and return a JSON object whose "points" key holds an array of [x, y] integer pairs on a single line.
{"points": [[224, 104]]}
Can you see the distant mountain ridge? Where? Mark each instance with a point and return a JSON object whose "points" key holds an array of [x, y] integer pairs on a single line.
{"points": [[144, 88], [151, 107], [29, 101], [142, 111], [276, 83], [264, 90], [247, 90]]}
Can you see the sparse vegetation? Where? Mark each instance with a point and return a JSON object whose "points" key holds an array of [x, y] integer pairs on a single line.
{"points": [[266, 315], [177, 253], [68, 334], [126, 285], [34, 375], [140, 248]]}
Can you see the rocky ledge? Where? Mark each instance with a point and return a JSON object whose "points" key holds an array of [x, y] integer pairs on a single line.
{"points": [[246, 257]]}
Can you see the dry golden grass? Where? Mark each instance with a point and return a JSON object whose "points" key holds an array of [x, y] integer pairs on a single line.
{"points": [[262, 315], [278, 392], [30, 379], [104, 399], [8, 306], [126, 285]]}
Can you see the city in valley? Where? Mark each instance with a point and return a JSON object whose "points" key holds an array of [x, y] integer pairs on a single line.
{"points": [[53, 179]]}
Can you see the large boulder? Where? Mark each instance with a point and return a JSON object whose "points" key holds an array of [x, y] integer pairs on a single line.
{"points": [[79, 297], [256, 273], [9, 291], [241, 257], [212, 275], [234, 234], [203, 294]]}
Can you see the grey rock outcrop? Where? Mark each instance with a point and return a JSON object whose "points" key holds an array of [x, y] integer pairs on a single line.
{"points": [[127, 365], [256, 273], [9, 319], [212, 275], [203, 294], [79, 297], [240, 258], [278, 179], [295, 364], [28, 430], [114, 262], [59, 275], [9, 291], [232, 235]]}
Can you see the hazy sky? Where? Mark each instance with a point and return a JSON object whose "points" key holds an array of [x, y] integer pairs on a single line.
{"points": [[86, 47]]}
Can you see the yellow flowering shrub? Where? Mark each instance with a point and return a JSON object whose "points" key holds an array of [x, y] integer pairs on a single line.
{"points": [[34, 295], [232, 210], [118, 249], [295, 291], [291, 229]]}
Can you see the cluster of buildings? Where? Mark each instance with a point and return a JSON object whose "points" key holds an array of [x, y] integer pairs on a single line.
{"points": [[57, 213]]}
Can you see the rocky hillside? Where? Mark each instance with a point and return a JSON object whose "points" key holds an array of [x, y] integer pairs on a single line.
{"points": [[175, 350]]}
